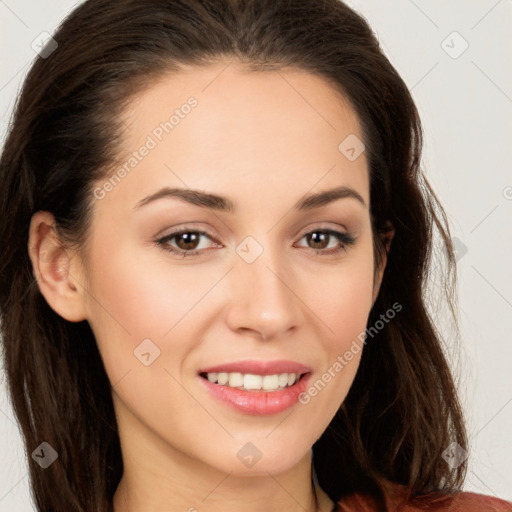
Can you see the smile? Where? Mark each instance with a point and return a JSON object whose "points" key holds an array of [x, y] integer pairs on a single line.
{"points": [[253, 382], [256, 387]]}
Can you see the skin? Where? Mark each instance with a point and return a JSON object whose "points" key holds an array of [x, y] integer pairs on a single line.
{"points": [[264, 140]]}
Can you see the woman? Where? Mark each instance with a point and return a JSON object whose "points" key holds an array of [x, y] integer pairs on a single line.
{"points": [[216, 238]]}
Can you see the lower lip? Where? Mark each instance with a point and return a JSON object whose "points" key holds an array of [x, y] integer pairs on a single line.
{"points": [[258, 402]]}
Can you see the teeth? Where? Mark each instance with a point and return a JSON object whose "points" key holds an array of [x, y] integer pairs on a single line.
{"points": [[283, 380], [270, 382], [236, 380], [250, 381]]}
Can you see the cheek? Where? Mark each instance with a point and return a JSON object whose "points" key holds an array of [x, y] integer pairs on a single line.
{"points": [[346, 302], [144, 295], [345, 305], [346, 297], [131, 301]]}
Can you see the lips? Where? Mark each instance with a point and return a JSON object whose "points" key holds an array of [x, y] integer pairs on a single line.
{"points": [[257, 399]]}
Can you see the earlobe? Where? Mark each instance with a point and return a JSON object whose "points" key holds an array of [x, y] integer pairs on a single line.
{"points": [[53, 270]]}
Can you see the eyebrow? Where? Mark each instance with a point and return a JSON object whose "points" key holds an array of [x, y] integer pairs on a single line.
{"points": [[219, 203]]}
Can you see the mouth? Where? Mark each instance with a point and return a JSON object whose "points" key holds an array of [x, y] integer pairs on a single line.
{"points": [[253, 382], [256, 387]]}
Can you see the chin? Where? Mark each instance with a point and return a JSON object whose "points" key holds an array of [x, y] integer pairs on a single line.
{"points": [[261, 458]]}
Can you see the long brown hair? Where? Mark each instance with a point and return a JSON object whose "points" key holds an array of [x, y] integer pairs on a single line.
{"points": [[402, 410]]}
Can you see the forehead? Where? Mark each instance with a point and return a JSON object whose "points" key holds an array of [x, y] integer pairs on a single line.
{"points": [[245, 130], [232, 93]]}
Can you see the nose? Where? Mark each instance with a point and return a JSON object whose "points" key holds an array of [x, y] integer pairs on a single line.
{"points": [[262, 299]]}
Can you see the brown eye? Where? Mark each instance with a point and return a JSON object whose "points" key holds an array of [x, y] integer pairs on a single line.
{"points": [[319, 239], [328, 241], [188, 240]]}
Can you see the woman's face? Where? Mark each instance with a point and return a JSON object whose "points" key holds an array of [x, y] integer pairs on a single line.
{"points": [[268, 289]]}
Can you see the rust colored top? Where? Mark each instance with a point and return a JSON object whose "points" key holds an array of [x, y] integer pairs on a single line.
{"points": [[398, 500]]}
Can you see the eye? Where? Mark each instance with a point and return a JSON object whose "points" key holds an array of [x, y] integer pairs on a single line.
{"points": [[190, 242], [187, 242], [328, 241]]}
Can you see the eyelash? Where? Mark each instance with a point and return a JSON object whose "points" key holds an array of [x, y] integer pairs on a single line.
{"points": [[346, 240]]}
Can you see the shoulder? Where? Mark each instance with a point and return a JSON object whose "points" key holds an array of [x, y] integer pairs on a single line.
{"points": [[397, 499], [460, 502]]}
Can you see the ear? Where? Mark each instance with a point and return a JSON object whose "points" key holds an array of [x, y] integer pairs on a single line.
{"points": [[57, 273], [386, 236]]}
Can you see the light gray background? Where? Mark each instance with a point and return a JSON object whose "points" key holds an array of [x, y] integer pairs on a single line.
{"points": [[466, 107]]}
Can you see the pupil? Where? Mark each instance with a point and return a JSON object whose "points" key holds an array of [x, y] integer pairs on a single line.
{"points": [[318, 238], [190, 240]]}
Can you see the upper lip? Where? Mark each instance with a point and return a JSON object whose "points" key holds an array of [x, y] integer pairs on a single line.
{"points": [[258, 367]]}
